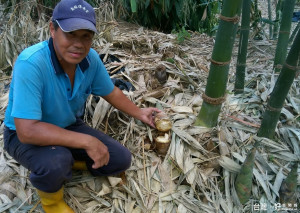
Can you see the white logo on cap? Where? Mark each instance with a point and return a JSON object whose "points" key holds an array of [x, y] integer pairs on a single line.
{"points": [[75, 7]]}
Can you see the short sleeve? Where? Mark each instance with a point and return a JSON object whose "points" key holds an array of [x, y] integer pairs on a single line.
{"points": [[27, 91], [101, 84]]}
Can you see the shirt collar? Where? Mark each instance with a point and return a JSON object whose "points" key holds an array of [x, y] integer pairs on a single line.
{"points": [[84, 64]]}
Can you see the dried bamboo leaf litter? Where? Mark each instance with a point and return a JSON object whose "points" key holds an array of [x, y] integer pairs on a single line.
{"points": [[199, 170]]}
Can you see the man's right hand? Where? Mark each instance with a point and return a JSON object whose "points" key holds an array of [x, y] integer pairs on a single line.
{"points": [[98, 152]]}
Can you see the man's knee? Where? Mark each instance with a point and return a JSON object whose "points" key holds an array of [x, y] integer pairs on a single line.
{"points": [[51, 171], [121, 161], [126, 162], [118, 163]]}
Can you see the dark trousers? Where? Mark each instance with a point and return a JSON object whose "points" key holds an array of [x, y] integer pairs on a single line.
{"points": [[51, 166]]}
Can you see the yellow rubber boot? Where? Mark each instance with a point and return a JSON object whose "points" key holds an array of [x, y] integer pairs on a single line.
{"points": [[54, 202], [79, 165]]}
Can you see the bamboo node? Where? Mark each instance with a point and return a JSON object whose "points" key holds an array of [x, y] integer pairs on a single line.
{"points": [[284, 32], [213, 101], [244, 28], [219, 63], [273, 109], [234, 19], [278, 66], [239, 90], [291, 67], [241, 64]]}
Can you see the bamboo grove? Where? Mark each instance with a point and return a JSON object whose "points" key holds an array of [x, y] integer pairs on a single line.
{"points": [[284, 32], [221, 56], [216, 84], [215, 92], [243, 44]]}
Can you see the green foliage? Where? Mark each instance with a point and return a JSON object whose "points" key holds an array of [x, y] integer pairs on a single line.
{"points": [[256, 20], [133, 6], [168, 15], [268, 21], [171, 60], [164, 15], [271, 158], [45, 3], [182, 35]]}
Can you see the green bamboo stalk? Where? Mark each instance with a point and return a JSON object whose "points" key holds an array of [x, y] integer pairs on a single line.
{"points": [[278, 18], [294, 33], [243, 46], [270, 18], [243, 182], [284, 33], [288, 187], [280, 91], [221, 56]]}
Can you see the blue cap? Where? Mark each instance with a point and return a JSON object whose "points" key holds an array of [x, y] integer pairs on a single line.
{"points": [[73, 15]]}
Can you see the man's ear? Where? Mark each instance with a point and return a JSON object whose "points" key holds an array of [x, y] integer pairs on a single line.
{"points": [[52, 30]]}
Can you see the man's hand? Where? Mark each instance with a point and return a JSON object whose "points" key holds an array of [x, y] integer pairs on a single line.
{"points": [[98, 152], [147, 115], [121, 102]]}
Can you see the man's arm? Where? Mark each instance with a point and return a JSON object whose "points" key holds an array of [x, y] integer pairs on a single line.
{"points": [[45, 134], [121, 102]]}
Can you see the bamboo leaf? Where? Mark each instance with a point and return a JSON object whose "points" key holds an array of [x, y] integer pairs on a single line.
{"points": [[268, 21], [262, 181], [147, 3], [179, 153], [188, 138], [133, 6], [229, 164], [105, 190], [138, 190], [101, 110], [277, 183]]}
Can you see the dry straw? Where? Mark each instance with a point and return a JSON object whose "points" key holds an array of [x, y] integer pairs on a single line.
{"points": [[199, 170]]}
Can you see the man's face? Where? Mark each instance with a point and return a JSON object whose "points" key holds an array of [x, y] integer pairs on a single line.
{"points": [[72, 47]]}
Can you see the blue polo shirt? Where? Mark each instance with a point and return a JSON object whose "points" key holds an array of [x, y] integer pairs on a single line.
{"points": [[41, 90]]}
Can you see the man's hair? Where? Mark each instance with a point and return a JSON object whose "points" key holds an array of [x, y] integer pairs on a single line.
{"points": [[55, 25]]}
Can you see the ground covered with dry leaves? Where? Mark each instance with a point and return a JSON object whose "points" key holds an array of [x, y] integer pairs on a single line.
{"points": [[198, 172]]}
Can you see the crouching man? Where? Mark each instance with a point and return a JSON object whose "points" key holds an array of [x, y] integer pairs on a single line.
{"points": [[50, 85]]}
